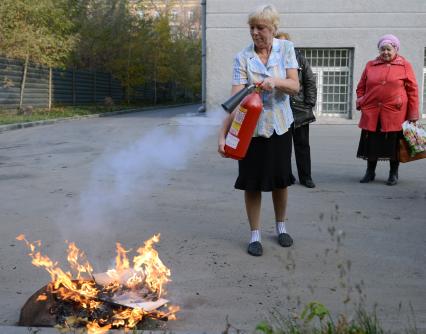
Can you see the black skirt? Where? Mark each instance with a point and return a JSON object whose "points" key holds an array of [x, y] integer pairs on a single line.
{"points": [[379, 145], [267, 165]]}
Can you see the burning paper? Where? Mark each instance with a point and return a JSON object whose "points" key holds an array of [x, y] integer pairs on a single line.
{"points": [[133, 292], [130, 298]]}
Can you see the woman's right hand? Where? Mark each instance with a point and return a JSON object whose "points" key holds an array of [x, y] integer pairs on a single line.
{"points": [[221, 146], [268, 84], [358, 102], [223, 132]]}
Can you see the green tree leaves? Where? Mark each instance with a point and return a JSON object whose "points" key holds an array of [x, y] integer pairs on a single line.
{"points": [[102, 35], [40, 30]]}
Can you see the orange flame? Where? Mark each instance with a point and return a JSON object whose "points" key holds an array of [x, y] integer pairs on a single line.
{"points": [[148, 262], [41, 298], [74, 254], [95, 328], [121, 260], [121, 263], [173, 309], [60, 279], [129, 316], [148, 273]]}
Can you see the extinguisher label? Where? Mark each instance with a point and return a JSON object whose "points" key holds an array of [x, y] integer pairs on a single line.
{"points": [[238, 120], [239, 117], [231, 141], [235, 128]]}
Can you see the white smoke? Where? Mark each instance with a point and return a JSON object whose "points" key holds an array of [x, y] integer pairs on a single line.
{"points": [[137, 168]]}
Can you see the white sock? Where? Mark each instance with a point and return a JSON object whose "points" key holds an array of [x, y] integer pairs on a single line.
{"points": [[255, 236], [281, 228]]}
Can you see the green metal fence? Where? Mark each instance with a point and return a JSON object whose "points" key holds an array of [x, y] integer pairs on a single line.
{"points": [[46, 87]]}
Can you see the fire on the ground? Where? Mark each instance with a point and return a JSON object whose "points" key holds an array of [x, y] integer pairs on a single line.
{"points": [[137, 287]]}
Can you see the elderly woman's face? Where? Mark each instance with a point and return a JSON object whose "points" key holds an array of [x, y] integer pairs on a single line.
{"points": [[387, 52], [262, 34]]}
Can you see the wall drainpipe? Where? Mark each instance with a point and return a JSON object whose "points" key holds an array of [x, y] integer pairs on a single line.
{"points": [[203, 56]]}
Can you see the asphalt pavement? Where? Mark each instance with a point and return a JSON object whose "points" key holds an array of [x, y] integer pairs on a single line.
{"points": [[127, 177]]}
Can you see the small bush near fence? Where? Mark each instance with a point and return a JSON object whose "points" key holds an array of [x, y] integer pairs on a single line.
{"points": [[10, 116]]}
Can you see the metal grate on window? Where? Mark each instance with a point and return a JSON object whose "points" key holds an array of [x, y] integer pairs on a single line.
{"points": [[424, 64], [333, 72]]}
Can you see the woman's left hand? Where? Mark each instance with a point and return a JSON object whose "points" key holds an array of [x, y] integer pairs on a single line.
{"points": [[268, 84]]}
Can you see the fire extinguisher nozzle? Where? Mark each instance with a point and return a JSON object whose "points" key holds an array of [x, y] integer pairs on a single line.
{"points": [[225, 107], [230, 104]]}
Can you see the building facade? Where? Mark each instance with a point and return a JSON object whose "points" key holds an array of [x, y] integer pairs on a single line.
{"points": [[184, 15], [338, 37]]}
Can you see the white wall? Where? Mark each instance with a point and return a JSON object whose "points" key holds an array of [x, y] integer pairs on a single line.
{"points": [[315, 23]]}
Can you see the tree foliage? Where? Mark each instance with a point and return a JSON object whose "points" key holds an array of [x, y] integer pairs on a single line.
{"points": [[102, 35], [187, 63], [41, 30]]}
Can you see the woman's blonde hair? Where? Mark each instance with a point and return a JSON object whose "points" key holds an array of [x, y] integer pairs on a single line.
{"points": [[266, 13]]}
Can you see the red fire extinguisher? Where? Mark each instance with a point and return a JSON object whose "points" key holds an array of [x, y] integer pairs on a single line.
{"points": [[241, 131]]}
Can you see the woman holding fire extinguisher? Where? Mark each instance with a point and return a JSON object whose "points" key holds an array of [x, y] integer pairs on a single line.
{"points": [[270, 63]]}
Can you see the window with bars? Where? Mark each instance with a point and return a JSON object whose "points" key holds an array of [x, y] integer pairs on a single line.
{"points": [[333, 72]]}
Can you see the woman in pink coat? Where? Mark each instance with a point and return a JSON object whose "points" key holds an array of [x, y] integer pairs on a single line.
{"points": [[387, 95]]}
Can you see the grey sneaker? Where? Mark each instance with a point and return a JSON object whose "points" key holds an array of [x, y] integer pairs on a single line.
{"points": [[285, 240], [255, 248]]}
